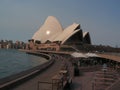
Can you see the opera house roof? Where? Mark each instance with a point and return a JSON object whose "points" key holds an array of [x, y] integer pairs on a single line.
{"points": [[52, 30]]}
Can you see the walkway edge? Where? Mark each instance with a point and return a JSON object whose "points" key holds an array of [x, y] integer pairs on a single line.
{"points": [[8, 82]]}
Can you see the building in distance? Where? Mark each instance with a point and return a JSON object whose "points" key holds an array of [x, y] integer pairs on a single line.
{"points": [[51, 36], [52, 31]]}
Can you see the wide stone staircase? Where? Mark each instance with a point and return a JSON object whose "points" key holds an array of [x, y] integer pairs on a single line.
{"points": [[104, 79]]}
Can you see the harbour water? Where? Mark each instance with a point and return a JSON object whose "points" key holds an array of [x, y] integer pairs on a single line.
{"points": [[14, 61]]}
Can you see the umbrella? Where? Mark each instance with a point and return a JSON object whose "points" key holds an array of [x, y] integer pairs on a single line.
{"points": [[78, 55]]}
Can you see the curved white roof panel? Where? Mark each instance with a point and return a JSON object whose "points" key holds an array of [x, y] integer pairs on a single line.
{"points": [[68, 31], [67, 37], [85, 33], [86, 38], [50, 28]]}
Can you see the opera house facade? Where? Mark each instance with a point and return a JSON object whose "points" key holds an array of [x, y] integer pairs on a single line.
{"points": [[52, 31]]}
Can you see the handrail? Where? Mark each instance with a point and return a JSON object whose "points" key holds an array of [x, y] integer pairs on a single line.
{"points": [[113, 85]]}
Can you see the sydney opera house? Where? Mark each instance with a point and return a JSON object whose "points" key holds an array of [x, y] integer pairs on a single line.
{"points": [[52, 31]]}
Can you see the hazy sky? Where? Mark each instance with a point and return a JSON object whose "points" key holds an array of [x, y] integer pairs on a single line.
{"points": [[20, 19]]}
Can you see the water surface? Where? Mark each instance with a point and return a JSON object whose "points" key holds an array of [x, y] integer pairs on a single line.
{"points": [[14, 61]]}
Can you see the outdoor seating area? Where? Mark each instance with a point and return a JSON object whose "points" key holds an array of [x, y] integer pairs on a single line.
{"points": [[103, 72]]}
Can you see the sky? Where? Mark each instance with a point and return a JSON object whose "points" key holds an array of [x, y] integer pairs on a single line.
{"points": [[20, 19]]}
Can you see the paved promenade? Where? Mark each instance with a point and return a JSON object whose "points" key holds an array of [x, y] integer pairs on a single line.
{"points": [[83, 82], [44, 76]]}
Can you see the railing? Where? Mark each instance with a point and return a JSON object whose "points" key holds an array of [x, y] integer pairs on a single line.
{"points": [[44, 85], [60, 81], [114, 85], [105, 80]]}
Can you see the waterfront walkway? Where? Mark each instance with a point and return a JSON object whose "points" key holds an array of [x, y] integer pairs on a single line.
{"points": [[46, 75], [83, 82]]}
